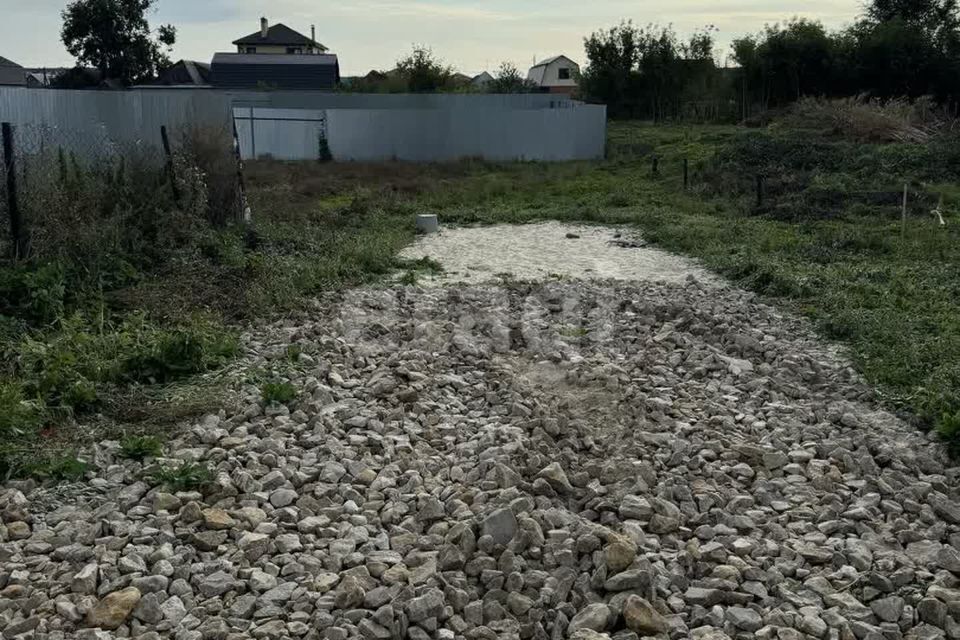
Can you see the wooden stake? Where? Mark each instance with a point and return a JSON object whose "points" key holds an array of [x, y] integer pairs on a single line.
{"points": [[903, 221]]}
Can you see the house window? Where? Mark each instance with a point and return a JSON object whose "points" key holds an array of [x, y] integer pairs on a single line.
{"points": [[294, 50], [563, 74], [251, 49]]}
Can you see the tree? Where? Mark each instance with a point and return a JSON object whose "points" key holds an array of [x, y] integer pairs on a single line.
{"points": [[509, 80], [76, 78], [911, 48], [423, 72], [935, 17], [114, 37], [787, 62], [611, 76], [649, 72]]}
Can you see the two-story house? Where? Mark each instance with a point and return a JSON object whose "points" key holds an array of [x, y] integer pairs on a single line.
{"points": [[277, 57], [279, 39], [559, 74]]}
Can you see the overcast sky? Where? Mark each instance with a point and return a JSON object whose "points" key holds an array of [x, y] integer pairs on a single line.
{"points": [[472, 35]]}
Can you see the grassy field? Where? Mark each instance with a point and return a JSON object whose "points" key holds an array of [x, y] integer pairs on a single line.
{"points": [[832, 248], [828, 242]]}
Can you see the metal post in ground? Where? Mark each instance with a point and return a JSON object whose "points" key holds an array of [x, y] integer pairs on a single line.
{"points": [[759, 190], [170, 171], [245, 214], [656, 168], [9, 160], [686, 174]]}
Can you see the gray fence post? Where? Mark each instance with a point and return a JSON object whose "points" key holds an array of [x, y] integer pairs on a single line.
{"points": [[9, 160]]}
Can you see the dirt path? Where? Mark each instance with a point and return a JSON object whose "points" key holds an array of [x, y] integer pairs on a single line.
{"points": [[562, 459]]}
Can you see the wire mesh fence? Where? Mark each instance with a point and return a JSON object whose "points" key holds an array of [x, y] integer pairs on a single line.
{"points": [[66, 190]]}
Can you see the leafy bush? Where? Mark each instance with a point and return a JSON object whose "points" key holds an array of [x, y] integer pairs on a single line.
{"points": [[35, 294], [189, 475], [293, 352], [168, 354], [56, 467], [18, 416], [140, 447], [278, 392]]}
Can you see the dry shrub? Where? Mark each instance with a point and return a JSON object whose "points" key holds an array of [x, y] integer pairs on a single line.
{"points": [[870, 120], [206, 166], [80, 210], [91, 207]]}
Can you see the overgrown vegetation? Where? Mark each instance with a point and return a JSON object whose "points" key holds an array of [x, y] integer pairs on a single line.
{"points": [[897, 48], [74, 333], [278, 392], [828, 240], [110, 331]]}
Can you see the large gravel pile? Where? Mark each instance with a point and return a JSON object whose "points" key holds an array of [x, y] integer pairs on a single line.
{"points": [[561, 460]]}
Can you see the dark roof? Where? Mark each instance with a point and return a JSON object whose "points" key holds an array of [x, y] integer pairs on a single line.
{"points": [[280, 35], [11, 73], [275, 71], [185, 72]]}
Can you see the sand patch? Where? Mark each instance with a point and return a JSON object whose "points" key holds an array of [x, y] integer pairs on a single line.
{"points": [[539, 251]]}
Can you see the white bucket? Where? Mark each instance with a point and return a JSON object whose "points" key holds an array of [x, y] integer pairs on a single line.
{"points": [[428, 223]]}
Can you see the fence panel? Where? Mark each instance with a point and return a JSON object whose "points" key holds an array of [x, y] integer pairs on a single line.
{"points": [[114, 116], [320, 100], [283, 134], [80, 153], [425, 135]]}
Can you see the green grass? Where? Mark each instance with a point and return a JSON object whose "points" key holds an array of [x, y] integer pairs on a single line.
{"points": [[293, 352], [140, 447], [278, 392], [574, 332], [108, 338], [56, 466], [841, 260], [186, 477]]}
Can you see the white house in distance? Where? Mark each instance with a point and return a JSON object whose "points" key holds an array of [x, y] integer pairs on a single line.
{"points": [[555, 75]]}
